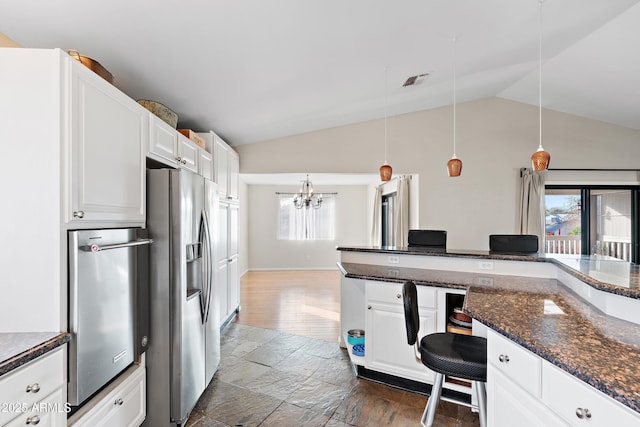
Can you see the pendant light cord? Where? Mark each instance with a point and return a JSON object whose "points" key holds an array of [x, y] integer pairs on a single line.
{"points": [[540, 79], [454, 96], [385, 114]]}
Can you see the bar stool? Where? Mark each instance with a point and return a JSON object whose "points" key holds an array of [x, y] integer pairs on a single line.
{"points": [[462, 356]]}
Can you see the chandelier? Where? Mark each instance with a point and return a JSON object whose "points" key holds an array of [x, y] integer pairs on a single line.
{"points": [[305, 198]]}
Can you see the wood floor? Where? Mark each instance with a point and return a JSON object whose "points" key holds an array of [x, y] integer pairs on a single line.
{"points": [[297, 302]]}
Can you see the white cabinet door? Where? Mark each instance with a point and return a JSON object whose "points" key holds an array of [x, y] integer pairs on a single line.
{"points": [[221, 160], [386, 349], [187, 153], [581, 404], [107, 156], [163, 140], [233, 166], [222, 246], [233, 230], [233, 285], [205, 164], [509, 405], [222, 289]]}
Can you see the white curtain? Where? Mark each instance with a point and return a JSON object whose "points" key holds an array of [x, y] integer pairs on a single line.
{"points": [[376, 225], [306, 223], [402, 211], [532, 208]]}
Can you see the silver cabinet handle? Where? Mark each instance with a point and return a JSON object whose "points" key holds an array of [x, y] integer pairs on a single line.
{"points": [[78, 214], [368, 307], [118, 402], [503, 358], [179, 159], [98, 248], [33, 420], [399, 296], [583, 413], [33, 388]]}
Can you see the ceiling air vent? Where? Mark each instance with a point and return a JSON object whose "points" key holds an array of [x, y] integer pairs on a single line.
{"points": [[414, 80]]}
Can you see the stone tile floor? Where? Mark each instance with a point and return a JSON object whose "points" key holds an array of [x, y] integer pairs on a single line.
{"points": [[271, 378]]}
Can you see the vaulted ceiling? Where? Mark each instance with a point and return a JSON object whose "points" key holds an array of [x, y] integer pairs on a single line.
{"points": [[254, 70]]}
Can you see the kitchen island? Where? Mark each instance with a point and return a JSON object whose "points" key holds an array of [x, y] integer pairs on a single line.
{"points": [[557, 311]]}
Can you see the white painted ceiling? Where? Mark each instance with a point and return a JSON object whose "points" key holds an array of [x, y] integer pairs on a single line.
{"points": [[253, 70]]}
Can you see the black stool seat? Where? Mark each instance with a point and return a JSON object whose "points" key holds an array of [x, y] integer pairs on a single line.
{"points": [[463, 356]]}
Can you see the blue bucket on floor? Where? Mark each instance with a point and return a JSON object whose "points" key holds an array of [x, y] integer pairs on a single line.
{"points": [[355, 337]]}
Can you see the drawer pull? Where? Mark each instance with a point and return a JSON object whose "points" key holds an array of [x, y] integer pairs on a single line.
{"points": [[78, 214], [33, 420], [33, 388], [368, 307], [118, 402], [399, 296], [503, 358], [583, 413]]}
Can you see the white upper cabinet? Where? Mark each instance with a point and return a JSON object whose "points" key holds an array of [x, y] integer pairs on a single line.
{"points": [[205, 164], [107, 132], [170, 147], [226, 165], [220, 158]]}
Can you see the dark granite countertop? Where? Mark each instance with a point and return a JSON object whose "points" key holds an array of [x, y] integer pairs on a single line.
{"points": [[544, 317], [600, 272], [18, 348]]}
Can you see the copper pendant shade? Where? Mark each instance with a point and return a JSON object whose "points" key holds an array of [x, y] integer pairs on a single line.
{"points": [[385, 172], [454, 166], [540, 160]]}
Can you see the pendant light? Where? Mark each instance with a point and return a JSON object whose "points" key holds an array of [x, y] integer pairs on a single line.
{"points": [[454, 165], [385, 169], [540, 158]]}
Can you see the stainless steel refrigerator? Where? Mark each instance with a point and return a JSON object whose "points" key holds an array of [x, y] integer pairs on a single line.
{"points": [[185, 325]]}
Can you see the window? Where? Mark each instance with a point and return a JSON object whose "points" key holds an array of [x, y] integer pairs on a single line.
{"points": [[306, 223], [593, 220]]}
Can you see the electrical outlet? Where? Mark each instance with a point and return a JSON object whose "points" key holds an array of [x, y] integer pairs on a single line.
{"points": [[485, 281], [394, 260], [485, 265], [392, 272]]}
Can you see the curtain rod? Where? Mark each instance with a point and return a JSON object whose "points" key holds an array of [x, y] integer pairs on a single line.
{"points": [[322, 192], [585, 170]]}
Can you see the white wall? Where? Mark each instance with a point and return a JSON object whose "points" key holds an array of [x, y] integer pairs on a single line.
{"points": [[495, 138], [266, 252], [243, 228]]}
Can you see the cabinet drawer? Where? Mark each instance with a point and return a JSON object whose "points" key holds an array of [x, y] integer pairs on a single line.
{"points": [[391, 293], [40, 376], [519, 365], [581, 404], [50, 412], [123, 406]]}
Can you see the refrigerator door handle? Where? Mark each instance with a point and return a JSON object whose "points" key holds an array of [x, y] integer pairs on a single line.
{"points": [[206, 279], [98, 248]]}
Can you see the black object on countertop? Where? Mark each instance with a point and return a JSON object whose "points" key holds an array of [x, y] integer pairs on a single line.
{"points": [[431, 238], [513, 243]]}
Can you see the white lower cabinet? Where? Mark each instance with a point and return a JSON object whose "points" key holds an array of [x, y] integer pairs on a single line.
{"points": [[34, 393], [580, 404], [386, 348], [524, 390], [123, 404], [509, 405]]}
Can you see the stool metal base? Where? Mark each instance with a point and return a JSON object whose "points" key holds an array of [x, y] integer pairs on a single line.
{"points": [[432, 404]]}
